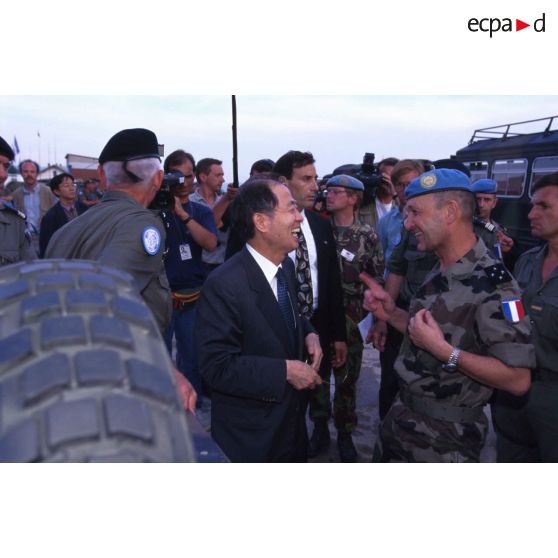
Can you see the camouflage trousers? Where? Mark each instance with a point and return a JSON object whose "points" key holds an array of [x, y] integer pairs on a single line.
{"points": [[344, 399], [410, 437]]}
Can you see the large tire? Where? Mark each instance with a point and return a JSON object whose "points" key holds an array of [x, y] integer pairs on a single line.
{"points": [[84, 372]]}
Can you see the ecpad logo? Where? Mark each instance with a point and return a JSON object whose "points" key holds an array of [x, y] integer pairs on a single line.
{"points": [[494, 24]]}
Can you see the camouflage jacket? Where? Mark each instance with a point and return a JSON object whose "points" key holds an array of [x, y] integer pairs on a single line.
{"points": [[488, 232], [466, 301], [414, 264], [358, 250]]}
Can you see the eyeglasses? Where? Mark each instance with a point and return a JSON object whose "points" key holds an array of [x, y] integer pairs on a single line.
{"points": [[335, 192]]}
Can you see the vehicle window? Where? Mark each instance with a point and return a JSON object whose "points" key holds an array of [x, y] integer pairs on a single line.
{"points": [[478, 169], [510, 176], [541, 167]]}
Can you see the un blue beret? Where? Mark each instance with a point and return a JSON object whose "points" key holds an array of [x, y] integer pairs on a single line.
{"points": [[345, 181], [484, 186], [439, 180]]}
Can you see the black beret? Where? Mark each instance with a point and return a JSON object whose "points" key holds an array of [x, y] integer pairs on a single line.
{"points": [[127, 145], [6, 150]]}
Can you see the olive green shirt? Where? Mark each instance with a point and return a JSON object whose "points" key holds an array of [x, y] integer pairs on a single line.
{"points": [[112, 233]]}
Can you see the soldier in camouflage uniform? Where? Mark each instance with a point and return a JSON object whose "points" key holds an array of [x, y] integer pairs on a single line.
{"points": [[493, 234], [14, 244], [462, 338], [408, 267], [358, 250]]}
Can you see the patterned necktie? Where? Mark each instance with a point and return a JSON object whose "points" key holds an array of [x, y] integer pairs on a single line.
{"points": [[303, 278], [285, 304]]}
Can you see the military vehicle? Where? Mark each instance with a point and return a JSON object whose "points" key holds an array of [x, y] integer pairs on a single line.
{"points": [[515, 155]]}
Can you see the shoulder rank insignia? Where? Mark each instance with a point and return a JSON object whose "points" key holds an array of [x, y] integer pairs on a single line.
{"points": [[151, 239], [498, 274], [513, 310], [484, 224]]}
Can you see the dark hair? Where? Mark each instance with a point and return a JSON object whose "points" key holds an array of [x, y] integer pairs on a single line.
{"points": [[452, 164], [204, 166], [548, 180], [177, 158], [263, 165], [57, 180], [255, 196], [90, 181], [29, 161], [263, 176], [291, 160], [388, 162]]}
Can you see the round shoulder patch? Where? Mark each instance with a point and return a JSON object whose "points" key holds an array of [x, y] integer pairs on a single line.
{"points": [[151, 239]]}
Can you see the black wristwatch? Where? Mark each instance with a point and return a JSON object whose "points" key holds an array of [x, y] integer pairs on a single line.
{"points": [[187, 220], [451, 364]]}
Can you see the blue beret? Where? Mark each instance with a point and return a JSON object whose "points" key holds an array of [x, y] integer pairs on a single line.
{"points": [[346, 181], [439, 180], [484, 186]]}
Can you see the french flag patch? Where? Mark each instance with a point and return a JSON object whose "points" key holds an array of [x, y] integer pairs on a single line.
{"points": [[513, 310]]}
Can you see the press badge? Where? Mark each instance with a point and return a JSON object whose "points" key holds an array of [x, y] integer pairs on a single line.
{"points": [[185, 252], [349, 256]]}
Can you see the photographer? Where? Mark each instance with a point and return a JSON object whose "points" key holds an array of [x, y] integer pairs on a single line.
{"points": [[190, 229], [379, 191]]}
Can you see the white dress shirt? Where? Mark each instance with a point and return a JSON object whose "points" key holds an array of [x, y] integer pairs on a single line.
{"points": [[268, 268]]}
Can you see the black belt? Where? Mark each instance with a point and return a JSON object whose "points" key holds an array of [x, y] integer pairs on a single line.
{"points": [[440, 411]]}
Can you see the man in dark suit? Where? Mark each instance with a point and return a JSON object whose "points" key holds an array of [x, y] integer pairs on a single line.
{"points": [[251, 338], [319, 295], [67, 209]]}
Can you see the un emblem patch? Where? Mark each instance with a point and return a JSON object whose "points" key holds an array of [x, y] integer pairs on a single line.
{"points": [[151, 239], [428, 181]]}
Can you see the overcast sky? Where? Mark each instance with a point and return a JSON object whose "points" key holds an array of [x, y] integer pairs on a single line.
{"points": [[337, 129]]}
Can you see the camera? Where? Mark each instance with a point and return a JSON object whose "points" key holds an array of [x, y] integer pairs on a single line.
{"points": [[368, 173], [164, 199]]}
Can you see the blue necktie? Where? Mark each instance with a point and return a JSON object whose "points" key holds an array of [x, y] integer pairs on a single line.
{"points": [[285, 304]]}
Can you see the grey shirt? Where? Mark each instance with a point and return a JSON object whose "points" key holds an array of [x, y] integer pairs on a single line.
{"points": [[14, 244], [540, 301], [112, 232]]}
